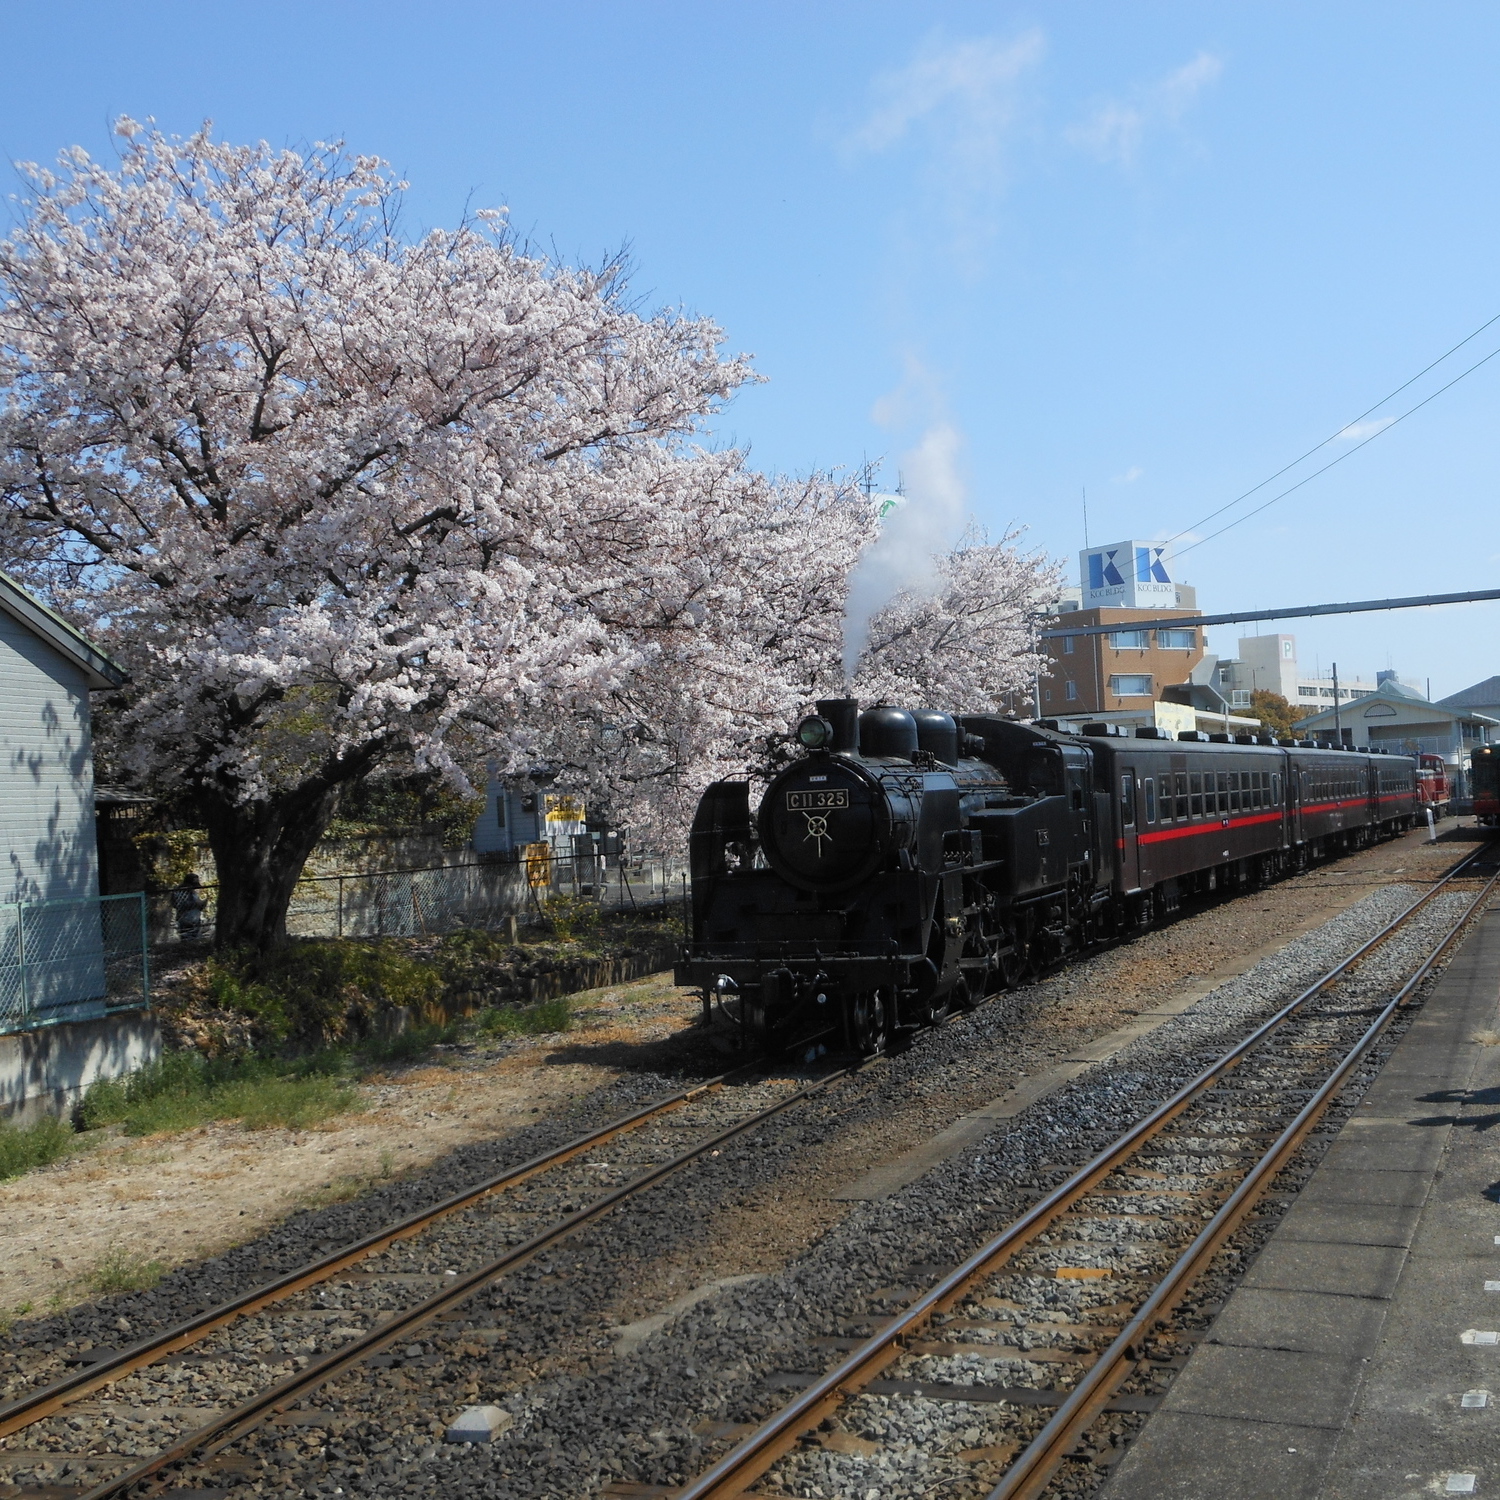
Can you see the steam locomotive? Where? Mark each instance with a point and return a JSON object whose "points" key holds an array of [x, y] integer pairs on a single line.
{"points": [[901, 863]]}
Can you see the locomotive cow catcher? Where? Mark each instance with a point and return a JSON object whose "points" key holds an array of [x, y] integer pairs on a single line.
{"points": [[902, 863]]}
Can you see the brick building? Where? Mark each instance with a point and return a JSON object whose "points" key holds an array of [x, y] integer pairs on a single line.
{"points": [[1125, 669]]}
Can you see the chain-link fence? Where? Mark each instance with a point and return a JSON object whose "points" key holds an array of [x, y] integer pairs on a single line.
{"points": [[443, 898], [71, 960]]}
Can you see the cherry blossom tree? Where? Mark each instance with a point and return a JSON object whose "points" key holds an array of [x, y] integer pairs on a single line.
{"points": [[741, 629], [332, 496], [969, 644], [731, 601]]}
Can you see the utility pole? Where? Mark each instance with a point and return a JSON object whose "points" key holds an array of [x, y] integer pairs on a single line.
{"points": [[1338, 733]]}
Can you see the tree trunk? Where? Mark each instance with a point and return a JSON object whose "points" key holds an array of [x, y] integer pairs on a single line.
{"points": [[260, 849]]}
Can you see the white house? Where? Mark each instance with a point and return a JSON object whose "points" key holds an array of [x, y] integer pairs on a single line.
{"points": [[47, 670]]}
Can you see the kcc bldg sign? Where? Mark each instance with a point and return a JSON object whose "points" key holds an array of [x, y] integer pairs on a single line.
{"points": [[1128, 575]]}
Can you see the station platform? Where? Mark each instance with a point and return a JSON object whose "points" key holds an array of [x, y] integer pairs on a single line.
{"points": [[1360, 1356]]}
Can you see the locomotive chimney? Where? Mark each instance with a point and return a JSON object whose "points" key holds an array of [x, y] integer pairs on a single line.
{"points": [[843, 714]]}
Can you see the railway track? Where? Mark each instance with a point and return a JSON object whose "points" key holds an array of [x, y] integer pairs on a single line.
{"points": [[490, 1229], [383, 1285], [1002, 1373]]}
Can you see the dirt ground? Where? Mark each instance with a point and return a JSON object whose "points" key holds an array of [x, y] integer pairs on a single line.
{"points": [[182, 1197]]}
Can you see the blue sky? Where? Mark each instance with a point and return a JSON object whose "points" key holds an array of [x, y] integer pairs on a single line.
{"points": [[1154, 250]]}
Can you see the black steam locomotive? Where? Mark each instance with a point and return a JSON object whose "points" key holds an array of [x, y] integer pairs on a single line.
{"points": [[903, 862]]}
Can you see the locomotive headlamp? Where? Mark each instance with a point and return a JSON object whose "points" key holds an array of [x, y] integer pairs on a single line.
{"points": [[815, 733]]}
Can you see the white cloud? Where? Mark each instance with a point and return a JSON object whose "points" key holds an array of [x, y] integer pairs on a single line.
{"points": [[967, 86], [1130, 476], [1115, 130], [1357, 431], [956, 103]]}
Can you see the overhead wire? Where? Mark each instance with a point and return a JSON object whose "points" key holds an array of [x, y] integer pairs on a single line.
{"points": [[1348, 453], [1334, 436]]}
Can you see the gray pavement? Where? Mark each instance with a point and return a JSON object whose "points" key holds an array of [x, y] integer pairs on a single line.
{"points": [[1338, 1368]]}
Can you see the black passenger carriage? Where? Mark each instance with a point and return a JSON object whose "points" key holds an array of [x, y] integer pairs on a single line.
{"points": [[902, 863]]}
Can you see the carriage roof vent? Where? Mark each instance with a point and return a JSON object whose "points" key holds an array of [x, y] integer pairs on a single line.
{"points": [[1151, 732], [1197, 736], [1222, 739]]}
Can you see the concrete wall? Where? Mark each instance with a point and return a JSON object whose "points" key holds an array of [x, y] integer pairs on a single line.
{"points": [[46, 772], [46, 1072]]}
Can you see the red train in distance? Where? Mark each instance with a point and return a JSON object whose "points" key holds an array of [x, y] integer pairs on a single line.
{"points": [[1484, 776], [1434, 786]]}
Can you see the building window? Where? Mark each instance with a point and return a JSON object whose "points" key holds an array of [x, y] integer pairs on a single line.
{"points": [[1307, 692], [1131, 685], [1070, 692], [1129, 640], [1239, 698], [1177, 640], [1068, 645]]}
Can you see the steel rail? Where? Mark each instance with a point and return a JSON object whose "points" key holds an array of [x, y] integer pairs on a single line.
{"points": [[1032, 1470], [756, 1453], [43, 1402], [204, 1442]]}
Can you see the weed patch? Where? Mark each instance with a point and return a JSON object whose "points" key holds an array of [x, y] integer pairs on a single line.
{"points": [[122, 1270], [23, 1148], [525, 1020], [184, 1090]]}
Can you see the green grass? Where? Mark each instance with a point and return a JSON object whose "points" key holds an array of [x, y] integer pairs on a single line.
{"points": [[184, 1090], [122, 1270], [23, 1148], [525, 1020]]}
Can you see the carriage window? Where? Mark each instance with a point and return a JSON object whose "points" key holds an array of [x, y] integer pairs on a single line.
{"points": [[1223, 792], [1127, 798], [1182, 795], [1149, 787], [1197, 794]]}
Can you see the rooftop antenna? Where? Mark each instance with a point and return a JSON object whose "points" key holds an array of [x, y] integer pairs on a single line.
{"points": [[1085, 518]]}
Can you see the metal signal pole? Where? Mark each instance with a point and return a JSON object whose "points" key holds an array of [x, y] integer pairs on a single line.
{"points": [[1338, 735]]}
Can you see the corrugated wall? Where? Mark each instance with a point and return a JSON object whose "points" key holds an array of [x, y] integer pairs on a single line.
{"points": [[46, 772]]}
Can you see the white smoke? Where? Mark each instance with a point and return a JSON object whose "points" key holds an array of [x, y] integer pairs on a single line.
{"points": [[913, 535]]}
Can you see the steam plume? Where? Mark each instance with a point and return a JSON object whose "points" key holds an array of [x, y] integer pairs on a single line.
{"points": [[903, 558]]}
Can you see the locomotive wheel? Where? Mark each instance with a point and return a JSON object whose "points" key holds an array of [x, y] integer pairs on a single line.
{"points": [[938, 1006], [867, 1023], [1012, 966]]}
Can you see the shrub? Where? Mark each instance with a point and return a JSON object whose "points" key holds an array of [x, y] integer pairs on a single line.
{"points": [[23, 1148], [314, 993], [573, 916]]}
